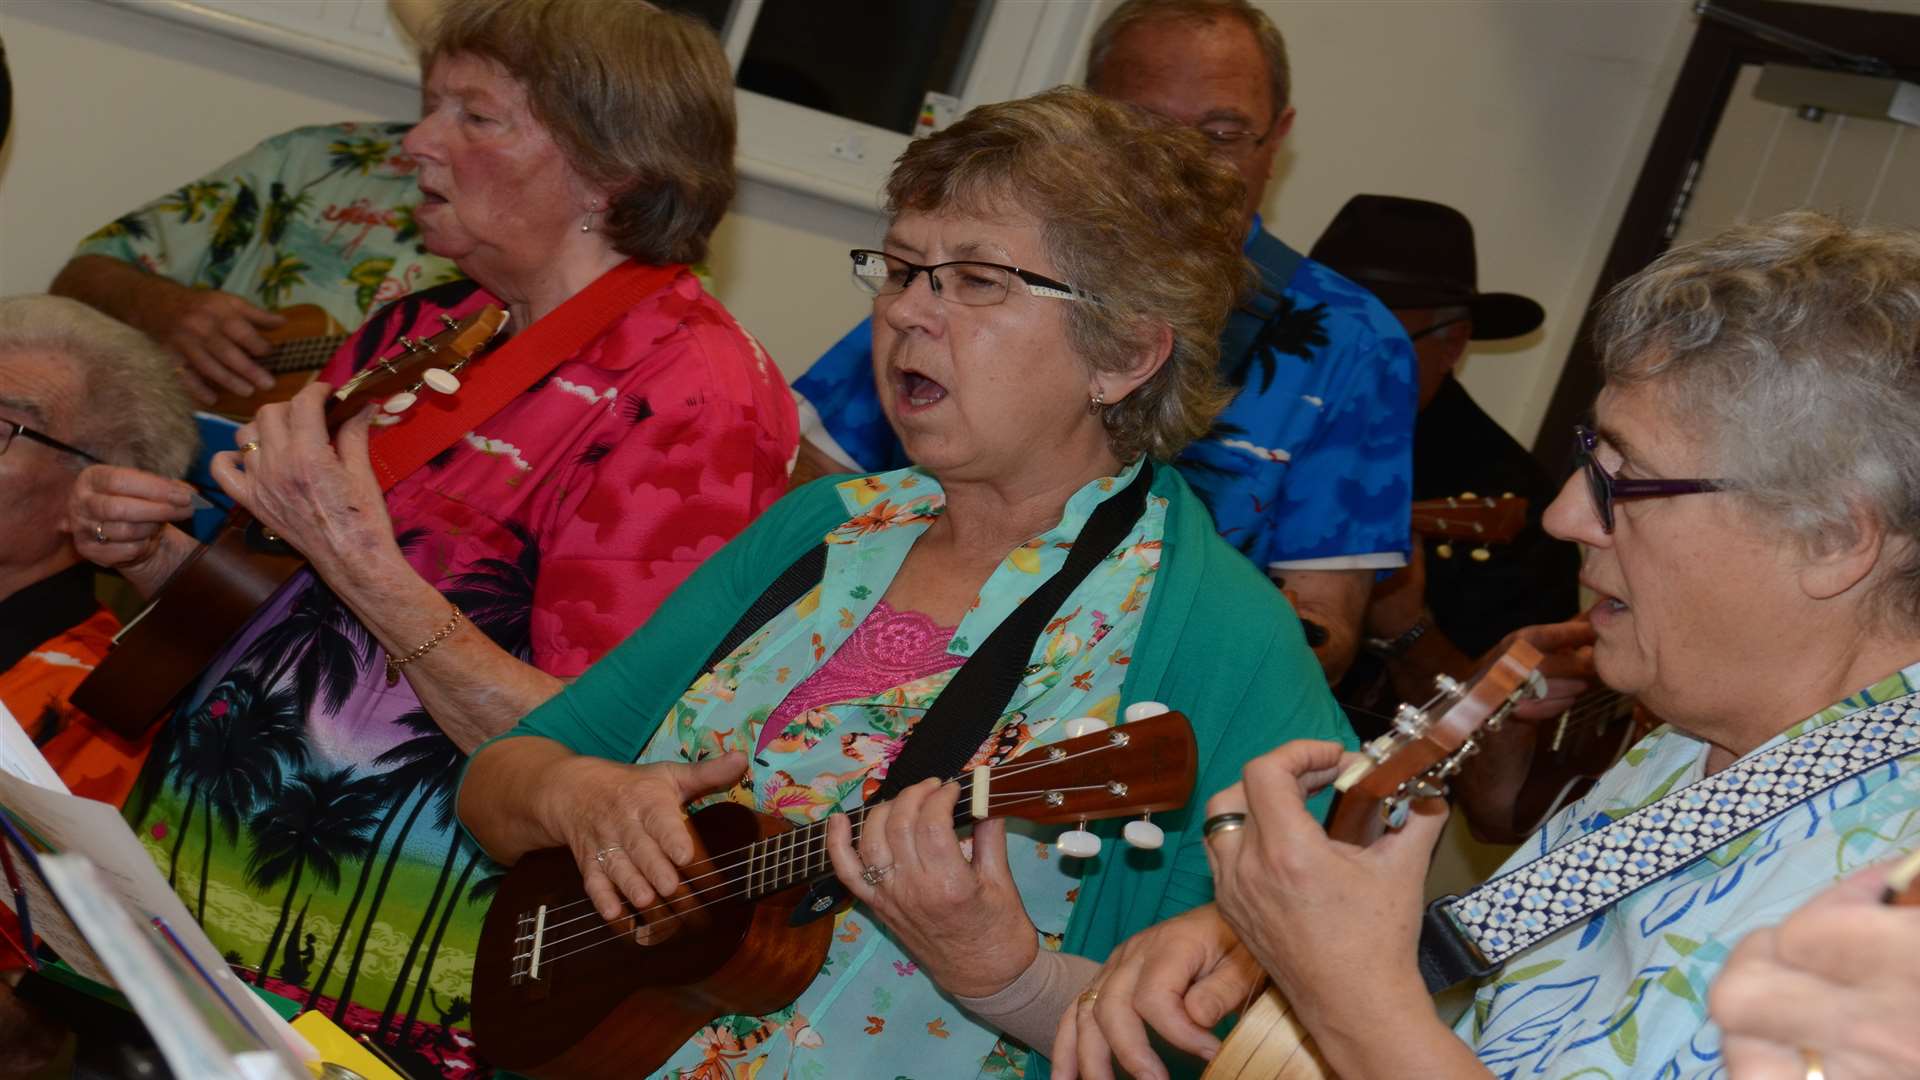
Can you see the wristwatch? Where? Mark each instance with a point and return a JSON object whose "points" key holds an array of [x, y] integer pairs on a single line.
{"points": [[1394, 648]]}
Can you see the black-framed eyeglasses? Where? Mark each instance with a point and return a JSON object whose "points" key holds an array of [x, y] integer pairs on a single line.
{"points": [[10, 429], [1608, 489], [975, 284]]}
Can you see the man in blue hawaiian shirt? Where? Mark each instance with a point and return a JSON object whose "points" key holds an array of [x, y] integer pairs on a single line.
{"points": [[1309, 470]]}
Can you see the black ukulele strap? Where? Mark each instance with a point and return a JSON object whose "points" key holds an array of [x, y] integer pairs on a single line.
{"points": [[965, 713]]}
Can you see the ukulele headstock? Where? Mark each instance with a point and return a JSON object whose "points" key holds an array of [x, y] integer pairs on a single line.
{"points": [[1428, 743], [1471, 517], [1139, 767], [415, 363]]}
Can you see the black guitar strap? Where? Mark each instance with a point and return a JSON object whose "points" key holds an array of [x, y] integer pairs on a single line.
{"points": [[965, 713]]}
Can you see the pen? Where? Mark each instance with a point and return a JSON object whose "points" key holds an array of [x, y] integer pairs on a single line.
{"points": [[166, 931], [19, 890], [374, 1048]]}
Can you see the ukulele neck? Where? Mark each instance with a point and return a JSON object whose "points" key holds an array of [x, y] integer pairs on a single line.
{"points": [[799, 855]]}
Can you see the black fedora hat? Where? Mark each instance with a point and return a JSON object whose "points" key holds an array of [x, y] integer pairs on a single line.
{"points": [[1417, 254]]}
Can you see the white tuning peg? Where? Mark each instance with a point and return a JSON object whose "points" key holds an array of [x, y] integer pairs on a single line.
{"points": [[1144, 835], [440, 381], [1142, 710], [399, 402], [1085, 725], [1078, 843]]}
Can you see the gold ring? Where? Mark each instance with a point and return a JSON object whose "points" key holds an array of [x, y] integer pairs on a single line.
{"points": [[1089, 996], [1816, 1070], [249, 446]]}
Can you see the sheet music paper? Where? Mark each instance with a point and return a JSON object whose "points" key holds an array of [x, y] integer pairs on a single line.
{"points": [[195, 1030], [20, 757], [69, 824]]}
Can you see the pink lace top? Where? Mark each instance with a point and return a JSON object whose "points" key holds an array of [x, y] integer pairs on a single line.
{"points": [[887, 649]]}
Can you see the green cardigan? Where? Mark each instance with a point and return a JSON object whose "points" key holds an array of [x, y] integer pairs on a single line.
{"points": [[1219, 644]]}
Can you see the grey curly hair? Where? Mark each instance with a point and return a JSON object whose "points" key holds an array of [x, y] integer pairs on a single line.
{"points": [[1794, 344], [133, 410], [1135, 211]]}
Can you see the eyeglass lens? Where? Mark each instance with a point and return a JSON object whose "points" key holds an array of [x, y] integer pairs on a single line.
{"points": [[1599, 484], [975, 284]]}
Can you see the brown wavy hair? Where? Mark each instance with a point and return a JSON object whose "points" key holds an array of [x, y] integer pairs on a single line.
{"points": [[639, 100], [1135, 211]]}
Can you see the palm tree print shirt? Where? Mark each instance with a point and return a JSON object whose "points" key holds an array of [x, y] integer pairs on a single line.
{"points": [[320, 215], [303, 808]]}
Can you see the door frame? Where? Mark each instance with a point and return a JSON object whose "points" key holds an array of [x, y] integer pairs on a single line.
{"points": [[1687, 127]]}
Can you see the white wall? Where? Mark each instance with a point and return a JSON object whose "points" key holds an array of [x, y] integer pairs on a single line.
{"points": [[1531, 117]]}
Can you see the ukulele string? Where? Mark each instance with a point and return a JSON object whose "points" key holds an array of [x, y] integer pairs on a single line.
{"points": [[855, 817], [609, 934]]}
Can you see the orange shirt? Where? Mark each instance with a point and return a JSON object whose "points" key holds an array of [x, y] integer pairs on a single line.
{"points": [[95, 762]]}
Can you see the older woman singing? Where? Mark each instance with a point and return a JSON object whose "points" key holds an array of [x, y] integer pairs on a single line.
{"points": [[1746, 503], [573, 156], [1040, 345]]}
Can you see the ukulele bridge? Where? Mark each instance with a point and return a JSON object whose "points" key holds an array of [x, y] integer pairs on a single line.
{"points": [[528, 944]]}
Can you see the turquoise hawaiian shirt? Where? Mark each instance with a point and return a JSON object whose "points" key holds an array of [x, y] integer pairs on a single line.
{"points": [[319, 215]]}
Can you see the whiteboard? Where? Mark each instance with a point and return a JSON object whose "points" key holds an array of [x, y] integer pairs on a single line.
{"points": [[356, 34]]}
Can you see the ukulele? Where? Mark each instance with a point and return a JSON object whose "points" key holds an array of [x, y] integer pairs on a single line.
{"points": [[219, 587], [558, 992], [301, 347], [1427, 744]]}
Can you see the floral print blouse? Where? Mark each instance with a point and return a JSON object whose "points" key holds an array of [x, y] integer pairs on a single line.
{"points": [[1624, 994], [870, 1013]]}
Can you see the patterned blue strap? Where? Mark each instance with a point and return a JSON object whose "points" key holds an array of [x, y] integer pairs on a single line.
{"points": [[1531, 903]]}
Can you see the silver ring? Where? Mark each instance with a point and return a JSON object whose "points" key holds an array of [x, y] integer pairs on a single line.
{"points": [[99, 532], [601, 855], [1223, 823], [874, 875]]}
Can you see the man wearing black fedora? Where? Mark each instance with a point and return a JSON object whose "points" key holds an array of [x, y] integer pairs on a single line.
{"points": [[1457, 598]]}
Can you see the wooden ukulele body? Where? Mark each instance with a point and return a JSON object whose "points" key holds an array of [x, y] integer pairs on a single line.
{"points": [[1268, 1043], [560, 994], [169, 645], [623, 1007], [302, 346]]}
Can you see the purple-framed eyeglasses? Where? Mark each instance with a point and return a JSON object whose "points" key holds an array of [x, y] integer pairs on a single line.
{"points": [[1608, 489]]}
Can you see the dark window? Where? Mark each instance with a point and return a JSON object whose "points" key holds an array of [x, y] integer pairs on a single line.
{"points": [[867, 60]]}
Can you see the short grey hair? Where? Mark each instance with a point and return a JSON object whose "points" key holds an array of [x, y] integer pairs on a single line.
{"points": [[1148, 239], [133, 409], [1794, 344], [1135, 12]]}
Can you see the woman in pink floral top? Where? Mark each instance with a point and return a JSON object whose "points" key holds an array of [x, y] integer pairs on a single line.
{"points": [[301, 797]]}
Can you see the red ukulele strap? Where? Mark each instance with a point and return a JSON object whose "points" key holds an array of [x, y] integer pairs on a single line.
{"points": [[438, 421]]}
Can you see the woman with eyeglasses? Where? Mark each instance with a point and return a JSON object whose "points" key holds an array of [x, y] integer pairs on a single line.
{"points": [[1045, 344], [1747, 503]]}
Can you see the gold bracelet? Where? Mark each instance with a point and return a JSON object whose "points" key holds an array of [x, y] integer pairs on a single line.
{"points": [[395, 663]]}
